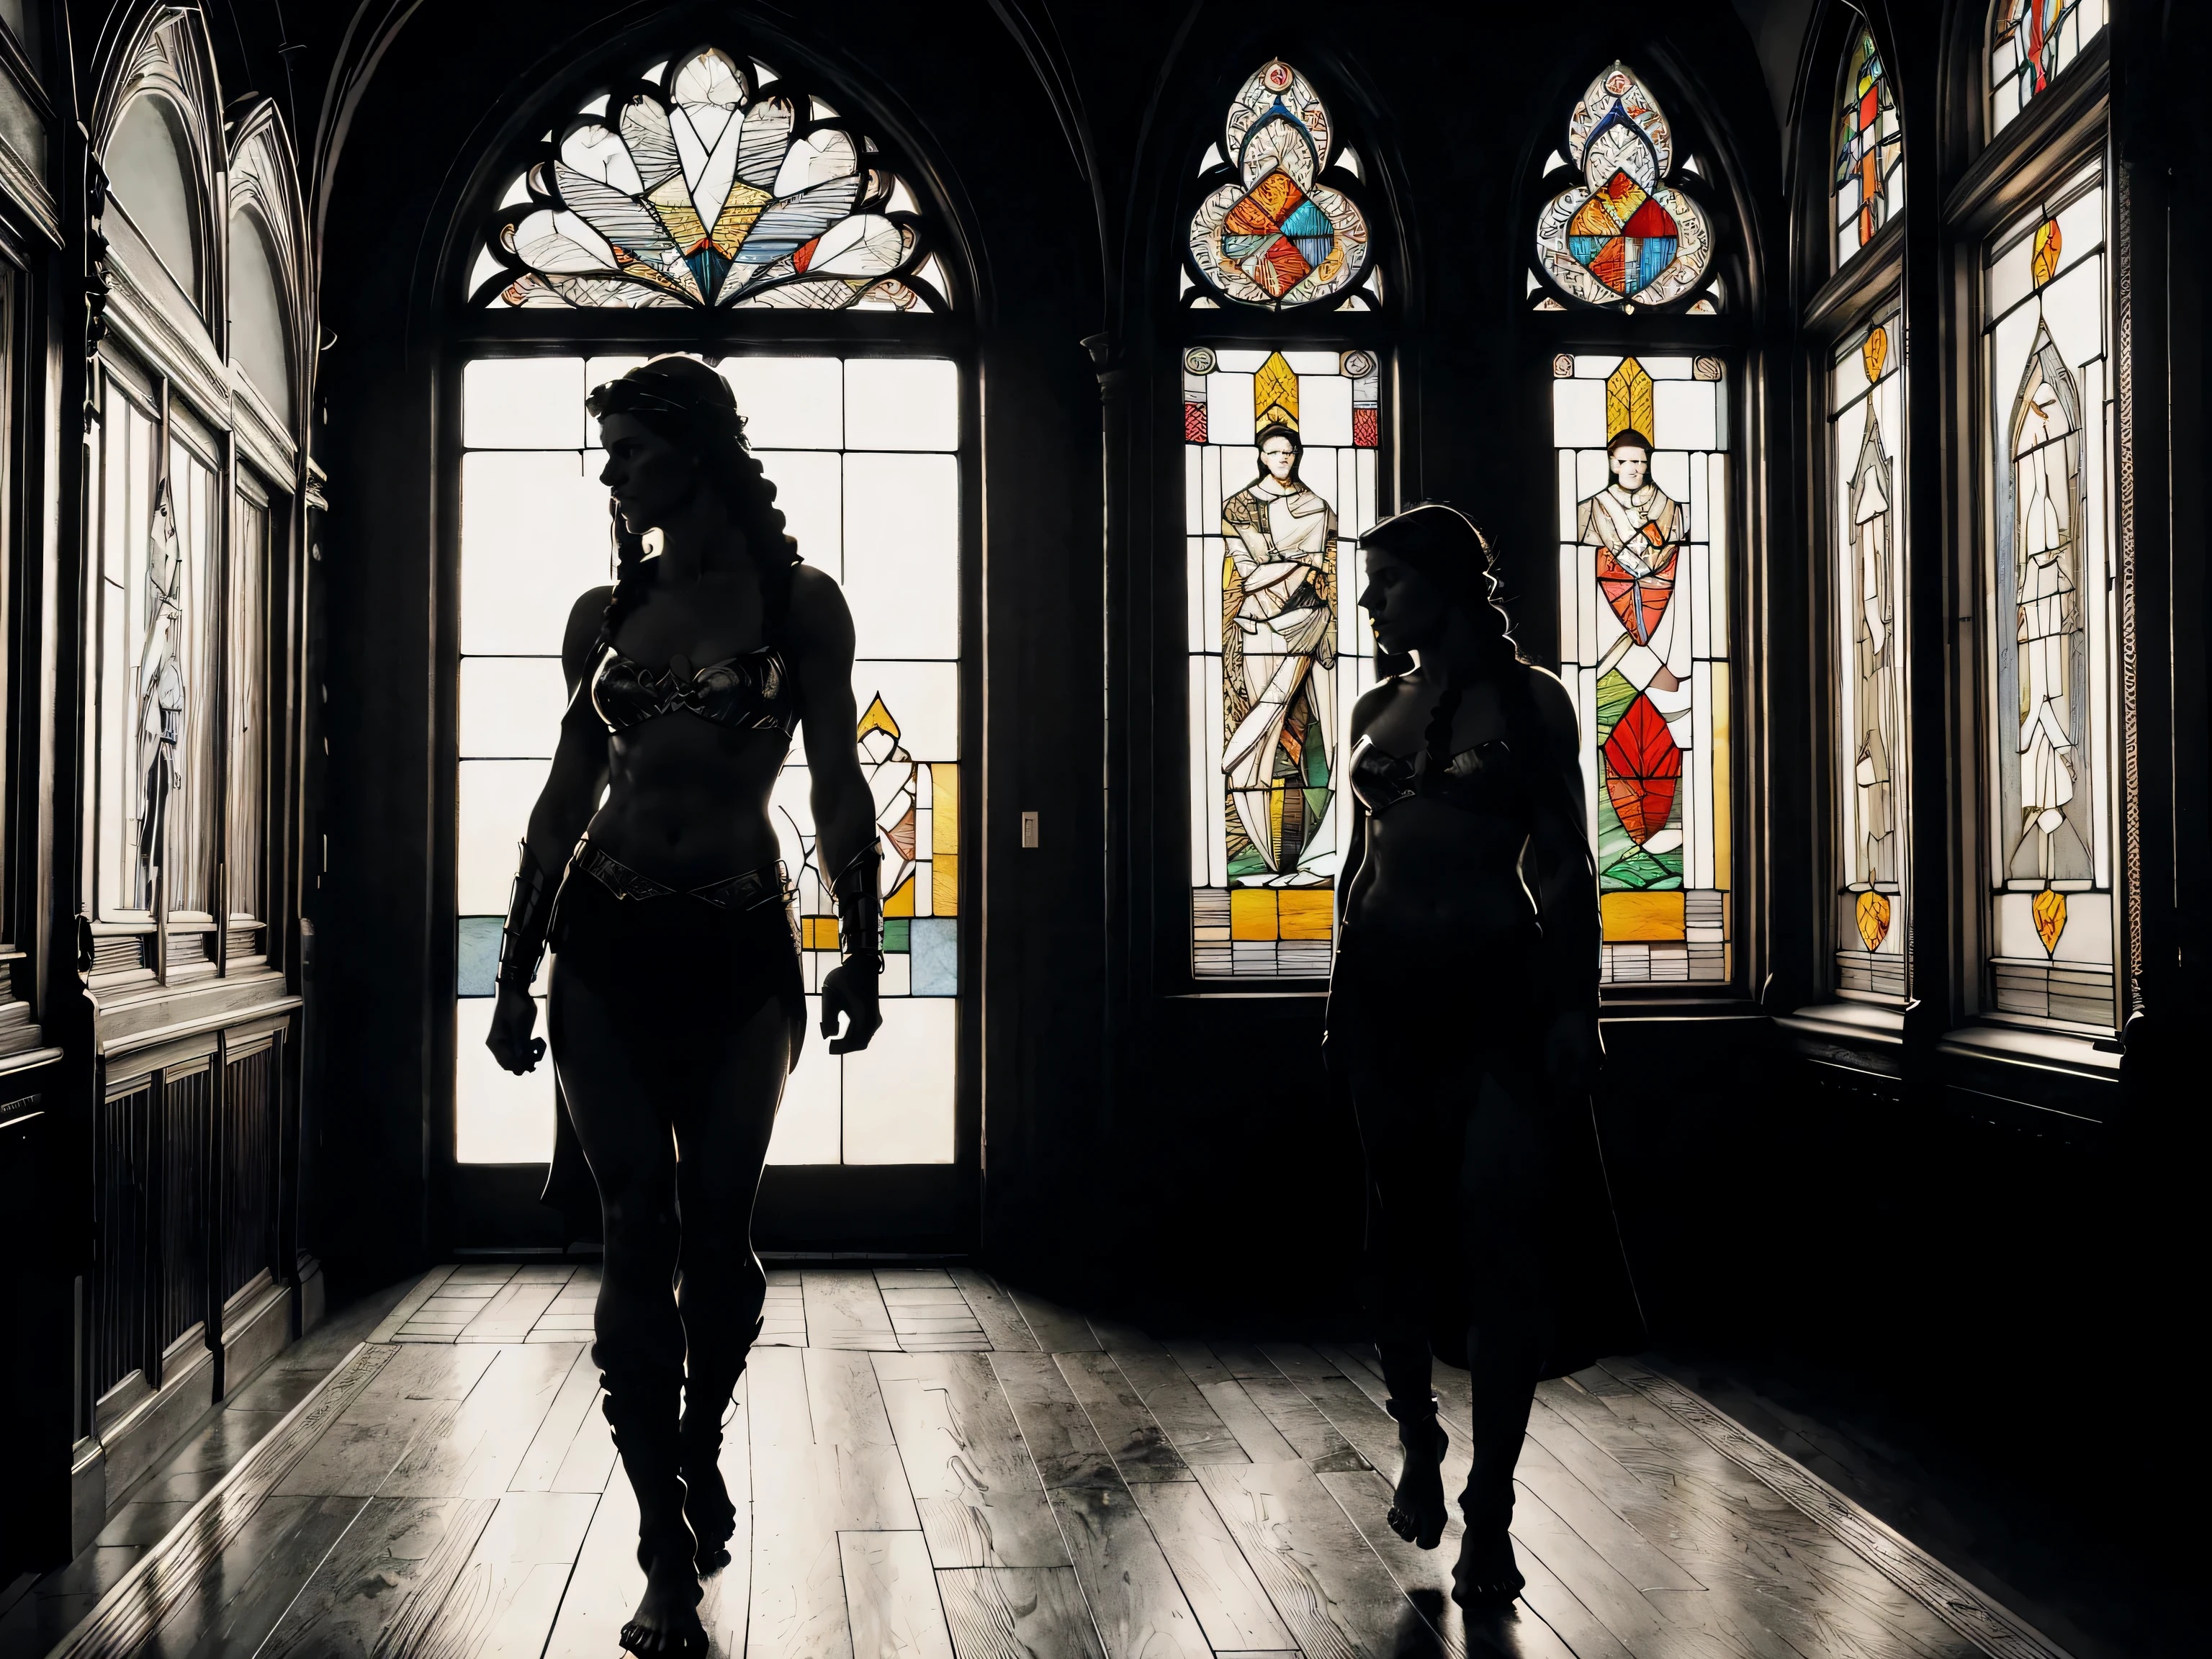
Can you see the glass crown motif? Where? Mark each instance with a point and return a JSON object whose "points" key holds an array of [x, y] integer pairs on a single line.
{"points": [[710, 182], [1271, 232], [1625, 234]]}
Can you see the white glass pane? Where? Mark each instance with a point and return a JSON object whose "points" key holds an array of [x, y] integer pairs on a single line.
{"points": [[806, 1124], [496, 799], [893, 403], [1229, 417], [533, 538], [901, 559], [899, 1090], [498, 1117], [511, 705], [1684, 411], [523, 403], [1324, 408], [809, 494], [922, 697], [789, 403], [1579, 414]]}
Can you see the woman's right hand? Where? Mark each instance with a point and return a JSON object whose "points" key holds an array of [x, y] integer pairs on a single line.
{"points": [[510, 1041]]}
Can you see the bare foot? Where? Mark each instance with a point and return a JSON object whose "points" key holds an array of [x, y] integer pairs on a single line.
{"points": [[666, 1625]]}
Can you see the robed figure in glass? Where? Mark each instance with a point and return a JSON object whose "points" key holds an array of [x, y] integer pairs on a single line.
{"points": [[1874, 858], [2048, 598], [160, 693], [1638, 531], [1278, 662]]}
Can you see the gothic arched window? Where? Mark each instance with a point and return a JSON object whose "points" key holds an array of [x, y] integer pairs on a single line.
{"points": [[708, 184], [1641, 445], [1867, 519], [1870, 150], [2031, 44], [1282, 437], [2052, 576]]}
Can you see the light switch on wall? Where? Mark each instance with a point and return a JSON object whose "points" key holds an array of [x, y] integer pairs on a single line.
{"points": [[1028, 829]]}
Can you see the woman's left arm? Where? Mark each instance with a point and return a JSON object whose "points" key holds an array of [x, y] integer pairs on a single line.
{"points": [[844, 811], [1566, 887]]}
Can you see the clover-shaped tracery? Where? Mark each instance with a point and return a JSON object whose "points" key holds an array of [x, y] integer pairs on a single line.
{"points": [[1276, 235], [710, 182], [1625, 234]]}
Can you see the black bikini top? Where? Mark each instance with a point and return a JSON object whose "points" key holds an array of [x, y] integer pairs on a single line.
{"points": [[1487, 776], [753, 691]]}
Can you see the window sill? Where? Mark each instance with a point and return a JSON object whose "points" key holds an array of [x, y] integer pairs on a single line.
{"points": [[2062, 1052], [1866, 1036]]}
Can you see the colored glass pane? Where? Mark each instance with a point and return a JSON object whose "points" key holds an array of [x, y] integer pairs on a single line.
{"points": [[1279, 471], [710, 182], [1626, 235], [857, 449], [1641, 445], [2031, 42], [1273, 229], [1866, 418], [2047, 354], [1869, 172]]}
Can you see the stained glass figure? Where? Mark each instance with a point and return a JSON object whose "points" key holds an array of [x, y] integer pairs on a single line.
{"points": [[2031, 42], [1278, 227], [1627, 235], [1281, 450], [860, 449], [1642, 492], [2051, 579], [161, 699], [710, 182], [1870, 181], [1866, 394]]}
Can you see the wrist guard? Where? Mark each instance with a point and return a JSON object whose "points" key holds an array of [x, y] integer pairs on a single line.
{"points": [[860, 910], [529, 916]]}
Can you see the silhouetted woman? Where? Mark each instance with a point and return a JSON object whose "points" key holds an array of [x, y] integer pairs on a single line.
{"points": [[1464, 1011], [676, 1008]]}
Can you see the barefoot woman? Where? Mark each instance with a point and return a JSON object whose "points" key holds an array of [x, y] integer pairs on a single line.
{"points": [[1464, 1009], [676, 1009]]}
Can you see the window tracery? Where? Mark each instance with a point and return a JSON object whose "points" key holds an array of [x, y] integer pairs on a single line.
{"points": [[1280, 226], [1629, 234], [710, 182]]}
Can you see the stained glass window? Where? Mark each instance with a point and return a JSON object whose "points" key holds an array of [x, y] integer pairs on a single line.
{"points": [[2031, 41], [1641, 443], [2050, 598], [1866, 423], [710, 180], [1869, 150], [1279, 450], [1278, 226], [1627, 235], [862, 452]]}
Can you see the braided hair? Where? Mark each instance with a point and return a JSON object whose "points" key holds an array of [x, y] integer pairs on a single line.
{"points": [[687, 403], [1445, 546]]}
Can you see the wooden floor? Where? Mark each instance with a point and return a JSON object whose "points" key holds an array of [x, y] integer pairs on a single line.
{"points": [[928, 1465]]}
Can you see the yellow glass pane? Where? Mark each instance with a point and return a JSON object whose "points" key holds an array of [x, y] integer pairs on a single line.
{"points": [[945, 883], [944, 811], [901, 903], [1252, 913], [1307, 913], [1635, 916], [819, 933], [1722, 850]]}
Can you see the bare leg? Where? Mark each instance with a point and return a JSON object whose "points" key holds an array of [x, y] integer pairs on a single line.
{"points": [[1404, 1197], [1502, 1176], [722, 1131], [618, 1080]]}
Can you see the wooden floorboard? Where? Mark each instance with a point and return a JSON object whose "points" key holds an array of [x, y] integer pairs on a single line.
{"points": [[1012, 1613], [980, 1497], [929, 1465]]}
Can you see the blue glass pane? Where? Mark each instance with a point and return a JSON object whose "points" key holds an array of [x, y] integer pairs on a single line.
{"points": [[478, 972], [933, 941]]}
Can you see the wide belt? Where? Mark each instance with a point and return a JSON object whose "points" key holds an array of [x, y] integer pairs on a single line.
{"points": [[769, 884]]}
